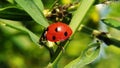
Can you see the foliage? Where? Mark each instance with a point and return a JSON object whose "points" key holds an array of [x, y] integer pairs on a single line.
{"points": [[22, 22]]}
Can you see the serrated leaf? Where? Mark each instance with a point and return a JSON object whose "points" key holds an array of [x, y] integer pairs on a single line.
{"points": [[13, 13], [112, 22], [34, 11], [88, 56], [14, 25]]}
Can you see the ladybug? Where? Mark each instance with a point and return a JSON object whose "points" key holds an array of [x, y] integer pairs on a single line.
{"points": [[56, 32]]}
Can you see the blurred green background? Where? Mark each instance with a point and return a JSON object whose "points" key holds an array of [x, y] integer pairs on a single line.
{"points": [[18, 51]]}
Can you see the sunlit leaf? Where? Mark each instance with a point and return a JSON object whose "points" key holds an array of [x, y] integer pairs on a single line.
{"points": [[88, 56], [80, 14], [31, 7], [39, 4]]}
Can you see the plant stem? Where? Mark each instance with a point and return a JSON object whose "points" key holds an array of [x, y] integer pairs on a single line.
{"points": [[50, 50], [85, 29], [74, 24], [100, 35], [58, 50]]}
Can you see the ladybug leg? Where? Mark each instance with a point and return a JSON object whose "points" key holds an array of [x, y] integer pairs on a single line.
{"points": [[56, 43], [51, 51], [63, 50], [43, 41]]}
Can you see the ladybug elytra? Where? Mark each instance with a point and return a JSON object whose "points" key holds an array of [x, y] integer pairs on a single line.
{"points": [[57, 32]]}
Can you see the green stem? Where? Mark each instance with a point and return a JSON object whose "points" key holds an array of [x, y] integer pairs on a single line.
{"points": [[80, 13], [100, 35], [74, 24], [51, 51], [86, 29], [58, 50]]}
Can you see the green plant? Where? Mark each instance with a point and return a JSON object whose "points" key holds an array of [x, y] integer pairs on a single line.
{"points": [[32, 11]]}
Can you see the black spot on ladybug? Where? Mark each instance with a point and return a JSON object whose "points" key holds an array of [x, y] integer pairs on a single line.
{"points": [[65, 33], [56, 29], [53, 37]]}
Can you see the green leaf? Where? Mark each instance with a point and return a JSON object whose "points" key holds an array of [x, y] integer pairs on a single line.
{"points": [[17, 26], [39, 4], [49, 3], [13, 13], [31, 7], [112, 22], [80, 14], [4, 3], [88, 56], [113, 17]]}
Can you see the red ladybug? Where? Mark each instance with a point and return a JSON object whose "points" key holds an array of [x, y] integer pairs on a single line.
{"points": [[57, 32]]}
